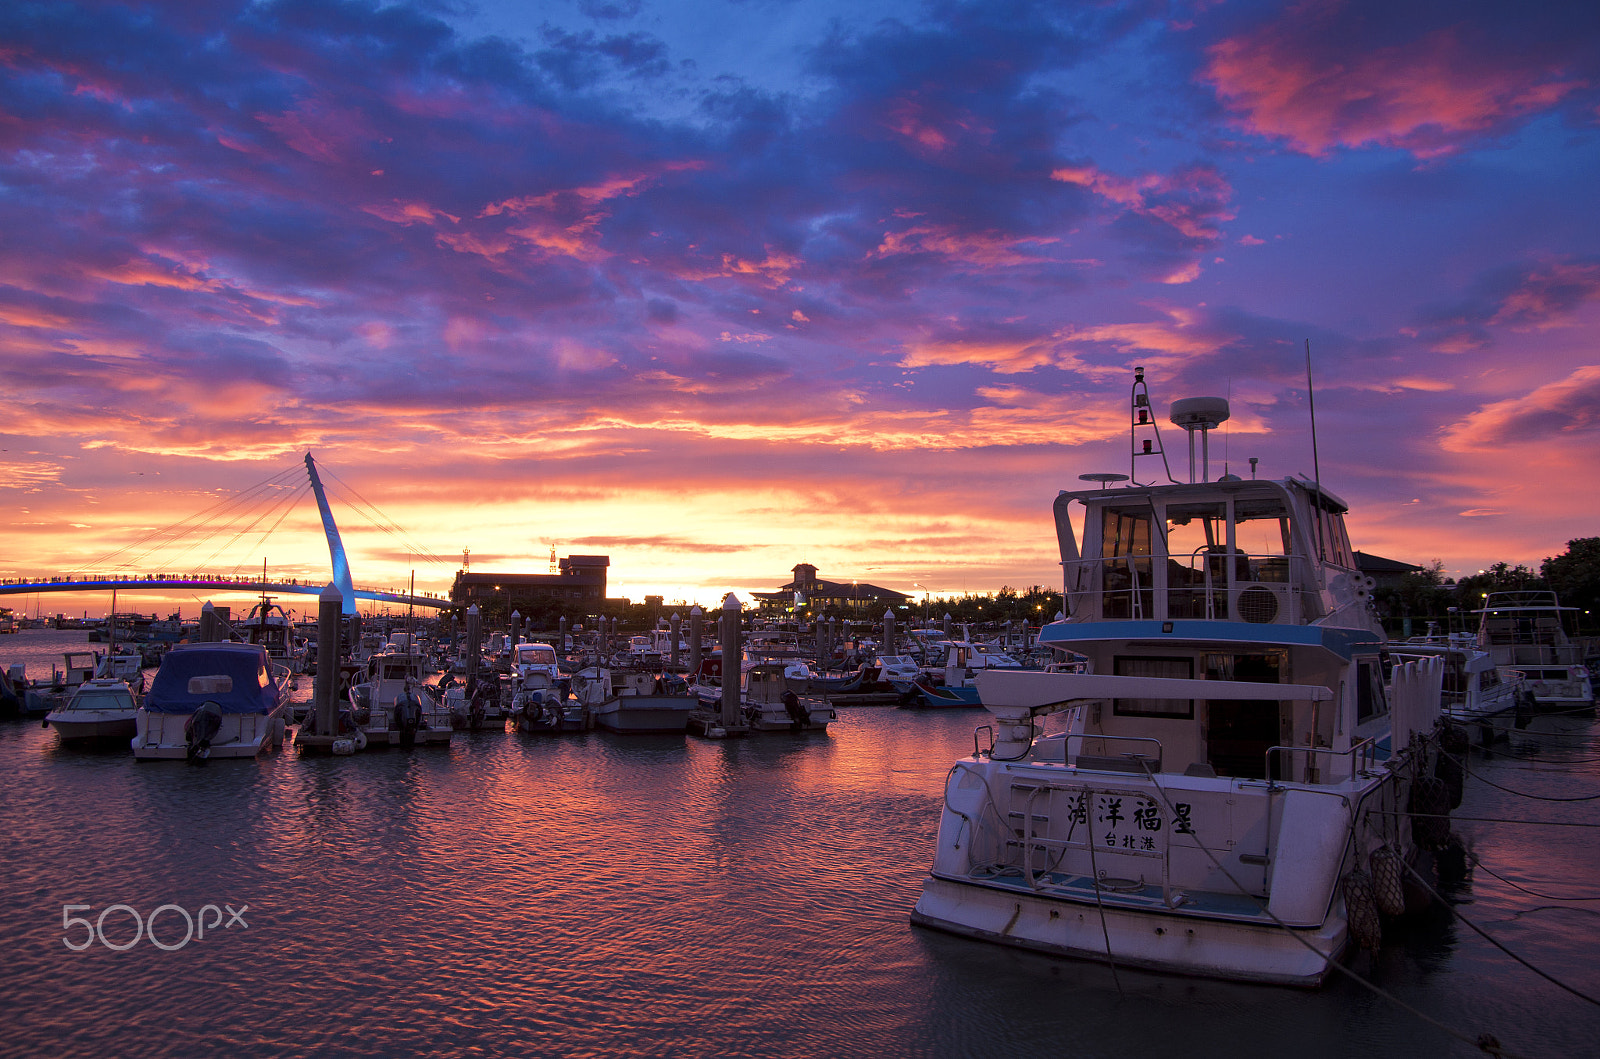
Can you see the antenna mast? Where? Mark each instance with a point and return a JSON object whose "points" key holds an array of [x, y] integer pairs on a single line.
{"points": [[1316, 465]]}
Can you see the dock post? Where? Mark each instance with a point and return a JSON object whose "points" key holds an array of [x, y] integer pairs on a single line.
{"points": [[474, 644], [325, 690], [516, 630], [888, 632], [731, 655], [819, 630], [562, 646], [673, 625], [208, 623], [695, 635], [947, 625]]}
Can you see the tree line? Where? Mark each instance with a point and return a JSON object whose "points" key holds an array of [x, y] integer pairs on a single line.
{"points": [[1427, 594]]}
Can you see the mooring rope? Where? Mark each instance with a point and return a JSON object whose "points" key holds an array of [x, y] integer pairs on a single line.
{"points": [[1477, 862], [1491, 940], [1484, 1042]]}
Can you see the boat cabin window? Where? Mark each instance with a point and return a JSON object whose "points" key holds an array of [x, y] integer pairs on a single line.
{"points": [[1133, 666], [1370, 700], [1125, 548], [212, 685]]}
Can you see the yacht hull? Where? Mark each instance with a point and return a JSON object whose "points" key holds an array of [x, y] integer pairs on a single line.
{"points": [[1191, 945], [161, 736], [113, 726], [646, 713]]}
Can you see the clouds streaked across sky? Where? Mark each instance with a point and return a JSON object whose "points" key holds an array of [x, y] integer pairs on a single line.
{"points": [[721, 287]]}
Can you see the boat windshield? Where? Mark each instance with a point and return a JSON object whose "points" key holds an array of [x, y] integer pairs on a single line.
{"points": [[102, 699]]}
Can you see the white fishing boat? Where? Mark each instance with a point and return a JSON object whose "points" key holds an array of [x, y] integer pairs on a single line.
{"points": [[768, 703], [541, 695], [1531, 633], [102, 708], [211, 700], [1231, 758], [41, 697], [395, 705], [641, 701], [1476, 694]]}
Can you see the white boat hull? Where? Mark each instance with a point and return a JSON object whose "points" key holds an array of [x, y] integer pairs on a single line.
{"points": [[119, 724], [1209, 948], [161, 736], [646, 713]]}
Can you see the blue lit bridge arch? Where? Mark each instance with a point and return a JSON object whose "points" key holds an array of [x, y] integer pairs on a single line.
{"points": [[239, 515]]}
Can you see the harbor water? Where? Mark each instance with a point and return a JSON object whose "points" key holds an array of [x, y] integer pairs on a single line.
{"points": [[605, 895]]}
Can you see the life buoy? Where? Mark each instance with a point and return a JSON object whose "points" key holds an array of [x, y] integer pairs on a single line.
{"points": [[360, 740]]}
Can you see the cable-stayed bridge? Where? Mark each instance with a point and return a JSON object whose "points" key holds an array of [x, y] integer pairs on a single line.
{"points": [[240, 515], [189, 582]]}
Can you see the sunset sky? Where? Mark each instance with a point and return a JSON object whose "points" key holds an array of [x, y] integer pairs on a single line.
{"points": [[719, 287]]}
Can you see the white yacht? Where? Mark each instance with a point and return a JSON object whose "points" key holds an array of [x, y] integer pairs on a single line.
{"points": [[1530, 633], [1230, 757], [211, 700], [102, 708]]}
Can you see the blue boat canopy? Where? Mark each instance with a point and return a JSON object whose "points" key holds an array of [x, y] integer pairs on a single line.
{"points": [[235, 676]]}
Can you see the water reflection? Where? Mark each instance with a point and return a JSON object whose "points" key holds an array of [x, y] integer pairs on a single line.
{"points": [[654, 895]]}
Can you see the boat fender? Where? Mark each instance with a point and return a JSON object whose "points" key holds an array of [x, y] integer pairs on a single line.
{"points": [[1361, 910], [1430, 811], [1448, 769], [1453, 739], [1388, 883]]}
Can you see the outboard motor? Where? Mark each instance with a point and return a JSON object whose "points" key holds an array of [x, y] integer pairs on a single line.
{"points": [[797, 713], [408, 717], [202, 727], [10, 700]]}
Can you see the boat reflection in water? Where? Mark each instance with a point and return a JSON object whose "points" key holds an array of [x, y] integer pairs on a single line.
{"points": [[1228, 759]]}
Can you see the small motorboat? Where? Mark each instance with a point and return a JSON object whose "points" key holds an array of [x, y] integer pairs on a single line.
{"points": [[211, 700], [102, 708]]}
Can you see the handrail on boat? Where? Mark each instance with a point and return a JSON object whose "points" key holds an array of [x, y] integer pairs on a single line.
{"points": [[1363, 757]]}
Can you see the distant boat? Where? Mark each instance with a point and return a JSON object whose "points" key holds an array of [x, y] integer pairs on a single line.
{"points": [[1476, 692], [211, 700], [1530, 633]]}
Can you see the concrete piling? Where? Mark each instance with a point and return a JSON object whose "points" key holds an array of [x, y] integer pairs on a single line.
{"points": [[672, 630], [732, 652], [888, 633], [474, 643], [325, 690], [695, 636]]}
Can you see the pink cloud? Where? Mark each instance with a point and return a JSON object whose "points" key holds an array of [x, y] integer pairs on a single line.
{"points": [[982, 249], [1317, 80], [1193, 200], [1553, 414]]}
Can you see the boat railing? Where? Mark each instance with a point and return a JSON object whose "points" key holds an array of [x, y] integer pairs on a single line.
{"points": [[1210, 584], [1363, 761]]}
